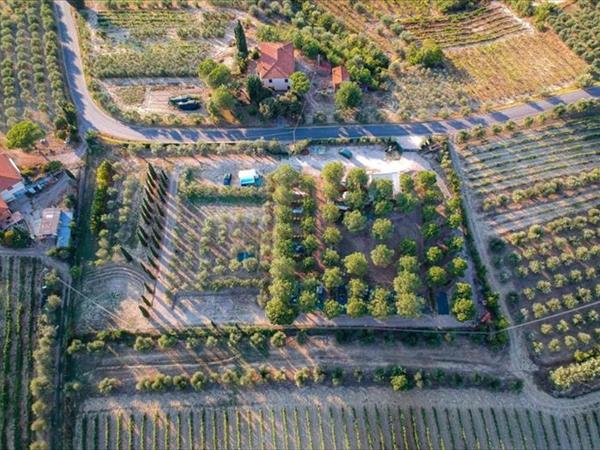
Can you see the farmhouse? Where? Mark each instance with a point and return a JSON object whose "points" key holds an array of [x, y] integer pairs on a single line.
{"points": [[339, 74], [276, 65], [11, 182]]}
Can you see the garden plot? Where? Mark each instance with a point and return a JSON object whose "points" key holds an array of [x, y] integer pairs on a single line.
{"points": [[325, 418], [539, 209]]}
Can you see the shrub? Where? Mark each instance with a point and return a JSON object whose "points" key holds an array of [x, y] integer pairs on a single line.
{"points": [[107, 385], [382, 229], [143, 344], [332, 308], [354, 221], [356, 264], [348, 95], [437, 276], [399, 382], [198, 380], [278, 339], [429, 54], [382, 255], [167, 341], [23, 135], [332, 236]]}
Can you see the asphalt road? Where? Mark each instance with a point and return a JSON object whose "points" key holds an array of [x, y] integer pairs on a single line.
{"points": [[93, 118]]}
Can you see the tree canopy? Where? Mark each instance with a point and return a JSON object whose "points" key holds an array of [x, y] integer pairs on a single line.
{"points": [[23, 135], [300, 83]]}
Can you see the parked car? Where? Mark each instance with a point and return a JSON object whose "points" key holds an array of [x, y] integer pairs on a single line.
{"points": [[346, 153], [227, 179], [185, 102]]}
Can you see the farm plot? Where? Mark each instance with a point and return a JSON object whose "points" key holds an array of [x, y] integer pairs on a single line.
{"points": [[519, 179], [218, 238], [115, 213], [359, 234], [32, 81], [366, 243], [332, 426], [516, 66], [125, 44], [538, 193], [472, 27], [20, 305]]}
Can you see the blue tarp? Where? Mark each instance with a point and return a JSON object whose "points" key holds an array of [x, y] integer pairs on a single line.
{"points": [[63, 234], [442, 304]]}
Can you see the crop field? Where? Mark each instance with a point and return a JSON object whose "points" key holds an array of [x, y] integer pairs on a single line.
{"points": [[31, 81], [20, 304], [472, 27], [538, 193], [522, 65], [360, 426]]}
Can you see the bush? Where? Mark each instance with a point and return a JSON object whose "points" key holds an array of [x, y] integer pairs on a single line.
{"points": [[382, 255], [355, 221], [348, 95], [437, 276], [107, 385], [278, 339], [198, 380], [428, 55], [143, 344], [356, 264], [300, 83], [382, 229]]}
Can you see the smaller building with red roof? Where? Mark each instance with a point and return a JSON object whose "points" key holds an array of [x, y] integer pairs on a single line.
{"points": [[339, 74], [11, 182], [276, 65]]}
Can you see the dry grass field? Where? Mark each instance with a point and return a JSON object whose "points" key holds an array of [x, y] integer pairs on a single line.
{"points": [[526, 64]]}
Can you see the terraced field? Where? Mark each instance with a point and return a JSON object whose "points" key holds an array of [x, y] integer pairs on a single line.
{"points": [[519, 65], [481, 25], [365, 426]]}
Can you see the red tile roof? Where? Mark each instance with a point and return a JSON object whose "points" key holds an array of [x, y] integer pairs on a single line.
{"points": [[339, 74], [9, 174], [276, 60]]}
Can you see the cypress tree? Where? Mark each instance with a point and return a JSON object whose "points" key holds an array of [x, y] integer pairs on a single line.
{"points": [[240, 40]]}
